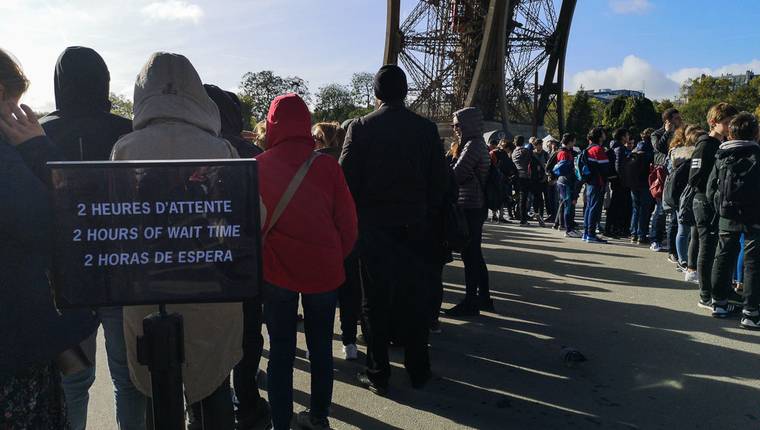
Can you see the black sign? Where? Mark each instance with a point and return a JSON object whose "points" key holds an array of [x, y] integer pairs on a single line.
{"points": [[153, 232]]}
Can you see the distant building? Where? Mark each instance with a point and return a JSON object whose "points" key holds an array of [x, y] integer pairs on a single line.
{"points": [[740, 80], [737, 81], [607, 95]]}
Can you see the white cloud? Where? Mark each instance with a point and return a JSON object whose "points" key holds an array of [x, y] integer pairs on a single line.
{"points": [[695, 72], [173, 10], [634, 74], [630, 6]]}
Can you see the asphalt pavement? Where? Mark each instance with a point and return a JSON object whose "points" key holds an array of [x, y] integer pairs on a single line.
{"points": [[654, 359]]}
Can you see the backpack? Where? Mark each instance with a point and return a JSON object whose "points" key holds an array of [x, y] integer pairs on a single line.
{"points": [[686, 206], [493, 188], [657, 176], [634, 168], [550, 166], [582, 169], [674, 184], [738, 180]]}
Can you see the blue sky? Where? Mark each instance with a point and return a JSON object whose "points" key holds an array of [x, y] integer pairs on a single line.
{"points": [[636, 44]]}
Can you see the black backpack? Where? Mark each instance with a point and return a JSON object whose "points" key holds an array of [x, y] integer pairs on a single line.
{"points": [[635, 168], [738, 182], [550, 166], [493, 188], [674, 186]]}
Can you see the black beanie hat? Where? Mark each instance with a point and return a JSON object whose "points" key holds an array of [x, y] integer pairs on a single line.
{"points": [[390, 84]]}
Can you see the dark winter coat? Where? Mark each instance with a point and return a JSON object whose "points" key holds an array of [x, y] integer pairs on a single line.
{"points": [[231, 115], [661, 145], [617, 155], [31, 329], [82, 126], [521, 156], [471, 169], [736, 148], [702, 162], [394, 165]]}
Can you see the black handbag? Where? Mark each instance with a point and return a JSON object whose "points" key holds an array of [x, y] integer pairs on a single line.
{"points": [[456, 233]]}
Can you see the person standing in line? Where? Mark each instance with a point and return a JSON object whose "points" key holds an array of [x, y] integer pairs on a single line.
{"points": [[564, 170], [617, 223], [84, 129], [521, 157], [329, 138], [394, 165], [303, 252], [598, 165], [502, 160], [539, 181], [733, 186], [703, 160], [636, 173], [471, 170], [175, 119], [251, 410], [32, 331], [671, 119]]}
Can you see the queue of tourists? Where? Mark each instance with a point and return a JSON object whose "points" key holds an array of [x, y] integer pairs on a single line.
{"points": [[374, 209]]}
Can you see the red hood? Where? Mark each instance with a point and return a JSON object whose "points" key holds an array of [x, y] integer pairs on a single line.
{"points": [[288, 119]]}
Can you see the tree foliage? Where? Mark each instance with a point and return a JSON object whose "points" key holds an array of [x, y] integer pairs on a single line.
{"points": [[614, 111], [257, 90], [639, 113], [334, 103], [363, 89], [580, 117], [121, 106]]}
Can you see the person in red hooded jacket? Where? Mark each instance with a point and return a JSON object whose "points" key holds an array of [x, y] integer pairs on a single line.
{"points": [[303, 254]]}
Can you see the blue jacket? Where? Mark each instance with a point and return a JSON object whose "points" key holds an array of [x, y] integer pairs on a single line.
{"points": [[31, 329]]}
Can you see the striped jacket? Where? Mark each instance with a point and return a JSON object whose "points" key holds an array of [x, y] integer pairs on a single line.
{"points": [[598, 163]]}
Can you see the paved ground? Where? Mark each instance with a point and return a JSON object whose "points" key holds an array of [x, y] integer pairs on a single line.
{"points": [[655, 361]]}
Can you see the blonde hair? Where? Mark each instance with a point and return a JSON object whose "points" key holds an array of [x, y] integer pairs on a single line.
{"points": [[341, 135], [679, 138], [12, 78], [693, 133], [326, 133], [719, 113], [261, 134]]}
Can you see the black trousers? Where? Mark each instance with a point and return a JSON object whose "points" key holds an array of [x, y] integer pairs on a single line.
{"points": [[729, 247], [350, 299], [244, 377], [672, 229], [708, 241], [394, 290], [435, 291], [475, 270], [525, 190], [619, 212], [211, 413]]}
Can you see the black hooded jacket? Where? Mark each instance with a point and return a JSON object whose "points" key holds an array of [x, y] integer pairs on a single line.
{"points": [[231, 114], [702, 162], [82, 127]]}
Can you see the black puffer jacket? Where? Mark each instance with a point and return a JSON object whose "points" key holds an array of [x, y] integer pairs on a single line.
{"points": [[472, 166], [82, 126], [31, 330], [231, 115]]}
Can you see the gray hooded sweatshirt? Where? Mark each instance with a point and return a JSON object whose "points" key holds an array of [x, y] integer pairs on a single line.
{"points": [[175, 119], [471, 169]]}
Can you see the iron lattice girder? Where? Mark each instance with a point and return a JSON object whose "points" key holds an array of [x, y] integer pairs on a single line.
{"points": [[447, 48]]}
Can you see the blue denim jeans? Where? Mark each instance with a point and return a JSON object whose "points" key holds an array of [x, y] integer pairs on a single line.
{"points": [[281, 315], [658, 223], [682, 242], [566, 195], [129, 402], [593, 212], [642, 208]]}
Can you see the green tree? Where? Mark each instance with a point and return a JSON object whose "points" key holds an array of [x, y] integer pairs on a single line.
{"points": [[363, 89], [334, 103], [257, 90], [639, 113], [121, 106], [614, 111], [580, 117]]}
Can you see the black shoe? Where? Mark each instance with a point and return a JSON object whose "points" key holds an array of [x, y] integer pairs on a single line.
{"points": [[464, 309], [523, 222], [673, 258], [486, 305], [735, 298], [435, 327], [725, 310], [258, 419], [503, 220], [634, 239], [360, 339], [750, 320], [419, 382], [705, 303], [306, 421], [364, 381]]}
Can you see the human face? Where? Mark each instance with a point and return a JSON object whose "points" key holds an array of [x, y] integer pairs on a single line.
{"points": [[457, 128], [722, 127]]}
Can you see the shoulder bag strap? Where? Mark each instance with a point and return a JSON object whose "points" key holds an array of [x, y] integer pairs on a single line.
{"points": [[290, 191]]}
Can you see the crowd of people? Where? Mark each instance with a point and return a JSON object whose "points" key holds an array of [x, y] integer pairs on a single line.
{"points": [[680, 189], [360, 216]]}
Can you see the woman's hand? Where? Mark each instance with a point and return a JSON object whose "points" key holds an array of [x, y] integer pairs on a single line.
{"points": [[19, 124]]}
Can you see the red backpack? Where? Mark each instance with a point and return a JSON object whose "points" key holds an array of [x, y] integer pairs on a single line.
{"points": [[657, 176]]}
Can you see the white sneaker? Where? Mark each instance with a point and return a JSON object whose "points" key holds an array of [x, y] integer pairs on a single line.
{"points": [[350, 351], [690, 276], [655, 247]]}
